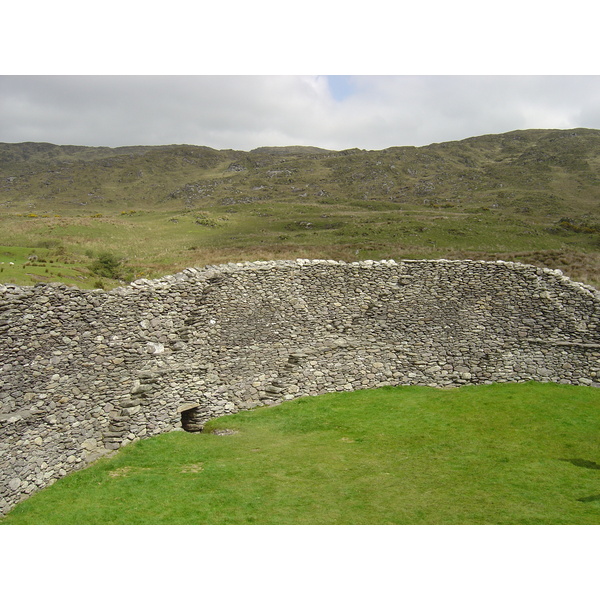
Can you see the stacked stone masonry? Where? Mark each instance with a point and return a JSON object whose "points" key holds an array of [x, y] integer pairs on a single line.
{"points": [[86, 372]]}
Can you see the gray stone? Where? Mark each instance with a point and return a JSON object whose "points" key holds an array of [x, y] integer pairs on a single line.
{"points": [[14, 484]]}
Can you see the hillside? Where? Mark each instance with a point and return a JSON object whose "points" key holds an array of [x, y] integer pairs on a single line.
{"points": [[528, 195]]}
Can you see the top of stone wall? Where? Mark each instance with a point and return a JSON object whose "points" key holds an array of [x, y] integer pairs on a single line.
{"points": [[208, 272]]}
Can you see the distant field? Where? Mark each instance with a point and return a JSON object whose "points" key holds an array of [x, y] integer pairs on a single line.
{"points": [[153, 243], [500, 454]]}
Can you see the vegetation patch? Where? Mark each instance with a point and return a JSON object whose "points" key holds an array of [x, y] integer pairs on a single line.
{"points": [[109, 266]]}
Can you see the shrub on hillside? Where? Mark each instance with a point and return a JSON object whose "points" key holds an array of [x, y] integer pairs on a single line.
{"points": [[107, 265], [578, 227]]}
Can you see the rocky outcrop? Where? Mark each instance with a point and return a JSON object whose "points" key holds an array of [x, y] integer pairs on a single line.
{"points": [[86, 372]]}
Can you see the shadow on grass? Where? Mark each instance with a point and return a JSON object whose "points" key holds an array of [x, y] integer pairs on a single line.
{"points": [[586, 464], [589, 498], [580, 462]]}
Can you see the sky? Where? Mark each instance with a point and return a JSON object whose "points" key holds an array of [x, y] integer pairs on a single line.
{"points": [[243, 112], [242, 75]]}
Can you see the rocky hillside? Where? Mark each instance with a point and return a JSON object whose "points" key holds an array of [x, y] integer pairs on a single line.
{"points": [[535, 169], [524, 195]]}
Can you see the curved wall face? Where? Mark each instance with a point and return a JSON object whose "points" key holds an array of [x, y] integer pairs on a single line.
{"points": [[85, 372]]}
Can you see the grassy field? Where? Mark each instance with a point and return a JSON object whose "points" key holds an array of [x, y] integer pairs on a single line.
{"points": [[500, 454], [155, 243]]}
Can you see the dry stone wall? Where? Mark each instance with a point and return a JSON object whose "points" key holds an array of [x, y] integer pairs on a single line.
{"points": [[86, 372]]}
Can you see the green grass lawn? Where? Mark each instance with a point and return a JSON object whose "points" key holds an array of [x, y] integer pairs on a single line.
{"points": [[16, 268], [500, 454]]}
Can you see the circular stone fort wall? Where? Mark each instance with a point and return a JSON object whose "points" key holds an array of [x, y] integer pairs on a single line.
{"points": [[85, 372]]}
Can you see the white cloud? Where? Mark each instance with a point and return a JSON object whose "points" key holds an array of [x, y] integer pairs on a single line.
{"points": [[244, 112]]}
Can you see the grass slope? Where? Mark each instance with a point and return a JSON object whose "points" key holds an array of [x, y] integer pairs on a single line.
{"points": [[531, 196], [500, 454]]}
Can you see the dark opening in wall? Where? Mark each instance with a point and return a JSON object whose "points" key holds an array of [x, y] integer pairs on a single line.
{"points": [[192, 418]]}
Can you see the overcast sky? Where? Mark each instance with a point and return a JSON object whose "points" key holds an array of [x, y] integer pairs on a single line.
{"points": [[245, 112], [430, 72]]}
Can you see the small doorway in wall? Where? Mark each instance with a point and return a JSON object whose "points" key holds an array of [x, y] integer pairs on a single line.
{"points": [[192, 418]]}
